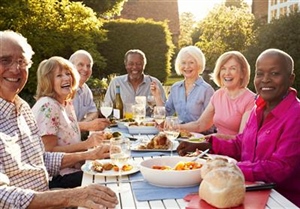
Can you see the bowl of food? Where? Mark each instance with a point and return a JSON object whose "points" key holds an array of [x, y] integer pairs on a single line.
{"points": [[172, 171]]}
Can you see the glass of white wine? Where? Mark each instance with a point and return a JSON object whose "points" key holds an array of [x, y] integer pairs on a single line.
{"points": [[119, 154], [171, 129], [159, 114], [106, 108]]}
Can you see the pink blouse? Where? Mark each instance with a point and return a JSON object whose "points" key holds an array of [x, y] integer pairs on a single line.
{"points": [[229, 112]]}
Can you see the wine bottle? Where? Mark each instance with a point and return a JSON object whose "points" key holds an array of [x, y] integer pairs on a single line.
{"points": [[118, 104]]}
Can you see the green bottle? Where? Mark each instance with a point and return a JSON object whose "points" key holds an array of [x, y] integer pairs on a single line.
{"points": [[118, 104]]}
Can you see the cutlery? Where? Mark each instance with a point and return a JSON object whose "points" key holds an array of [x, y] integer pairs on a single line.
{"points": [[200, 155], [257, 187], [123, 181]]}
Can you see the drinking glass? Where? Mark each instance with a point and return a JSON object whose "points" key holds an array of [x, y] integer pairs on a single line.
{"points": [[106, 108], [141, 100], [119, 155], [171, 129], [159, 114], [139, 113], [128, 111], [151, 103]]}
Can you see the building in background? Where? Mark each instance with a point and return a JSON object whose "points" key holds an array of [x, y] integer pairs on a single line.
{"points": [[156, 10], [279, 8], [260, 10], [267, 10]]}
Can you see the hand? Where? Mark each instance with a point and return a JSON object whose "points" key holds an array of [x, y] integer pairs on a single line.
{"points": [[185, 147], [155, 90], [94, 140], [98, 124], [101, 152], [94, 196]]}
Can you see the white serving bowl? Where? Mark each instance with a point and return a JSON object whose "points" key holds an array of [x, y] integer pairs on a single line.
{"points": [[170, 178]]}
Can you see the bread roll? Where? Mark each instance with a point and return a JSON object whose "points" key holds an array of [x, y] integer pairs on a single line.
{"points": [[223, 184]]}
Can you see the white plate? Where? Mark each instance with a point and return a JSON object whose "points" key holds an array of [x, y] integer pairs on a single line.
{"points": [[142, 130], [230, 159], [195, 136], [122, 124], [87, 168], [136, 148]]}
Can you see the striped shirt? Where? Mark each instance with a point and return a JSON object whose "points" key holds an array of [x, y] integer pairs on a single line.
{"points": [[24, 165]]}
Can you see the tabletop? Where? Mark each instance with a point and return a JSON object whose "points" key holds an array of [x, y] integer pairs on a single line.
{"points": [[127, 200]]}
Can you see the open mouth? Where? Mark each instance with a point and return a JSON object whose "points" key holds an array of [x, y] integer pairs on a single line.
{"points": [[66, 86], [12, 79]]}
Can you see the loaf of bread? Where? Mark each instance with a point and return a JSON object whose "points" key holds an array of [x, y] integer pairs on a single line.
{"points": [[223, 184]]}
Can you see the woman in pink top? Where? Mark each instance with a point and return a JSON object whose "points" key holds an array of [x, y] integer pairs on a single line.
{"points": [[229, 107], [268, 148]]}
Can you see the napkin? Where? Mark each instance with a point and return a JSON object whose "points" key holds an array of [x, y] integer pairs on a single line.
{"points": [[143, 191], [253, 200]]}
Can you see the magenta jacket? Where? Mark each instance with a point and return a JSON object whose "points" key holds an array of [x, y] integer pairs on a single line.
{"points": [[270, 153]]}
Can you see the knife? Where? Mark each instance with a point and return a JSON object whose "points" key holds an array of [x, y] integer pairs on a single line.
{"points": [[257, 187]]}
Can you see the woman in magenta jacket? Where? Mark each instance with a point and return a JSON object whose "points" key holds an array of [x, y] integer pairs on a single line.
{"points": [[268, 148]]}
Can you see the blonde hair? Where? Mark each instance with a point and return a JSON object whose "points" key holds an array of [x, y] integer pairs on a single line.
{"points": [[194, 52], [45, 77], [240, 58]]}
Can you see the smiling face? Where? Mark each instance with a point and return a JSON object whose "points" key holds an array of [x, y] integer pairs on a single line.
{"points": [[14, 77], [134, 65], [231, 74], [62, 83], [189, 67], [272, 78], [84, 66]]}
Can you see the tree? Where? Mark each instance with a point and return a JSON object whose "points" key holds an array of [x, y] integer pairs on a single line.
{"points": [[104, 8], [225, 29], [52, 27], [187, 22], [282, 33], [236, 3]]}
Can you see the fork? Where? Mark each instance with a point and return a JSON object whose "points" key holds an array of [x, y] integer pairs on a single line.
{"points": [[200, 155]]}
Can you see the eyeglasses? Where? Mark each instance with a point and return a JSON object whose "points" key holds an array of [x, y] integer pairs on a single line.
{"points": [[7, 62]]}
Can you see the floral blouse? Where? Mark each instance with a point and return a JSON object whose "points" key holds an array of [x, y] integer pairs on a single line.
{"points": [[55, 119]]}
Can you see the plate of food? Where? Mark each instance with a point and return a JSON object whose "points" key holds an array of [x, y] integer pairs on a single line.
{"points": [[106, 168], [147, 127], [123, 123], [159, 143], [190, 136]]}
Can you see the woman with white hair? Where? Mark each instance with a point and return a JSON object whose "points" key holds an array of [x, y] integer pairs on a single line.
{"points": [[188, 98]]}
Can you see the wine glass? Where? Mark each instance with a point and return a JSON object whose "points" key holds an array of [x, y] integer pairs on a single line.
{"points": [[159, 114], [171, 129], [119, 155], [151, 103], [106, 108]]}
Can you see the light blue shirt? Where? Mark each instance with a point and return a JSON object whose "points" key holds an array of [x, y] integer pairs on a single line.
{"points": [[127, 91], [191, 107], [83, 102]]}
